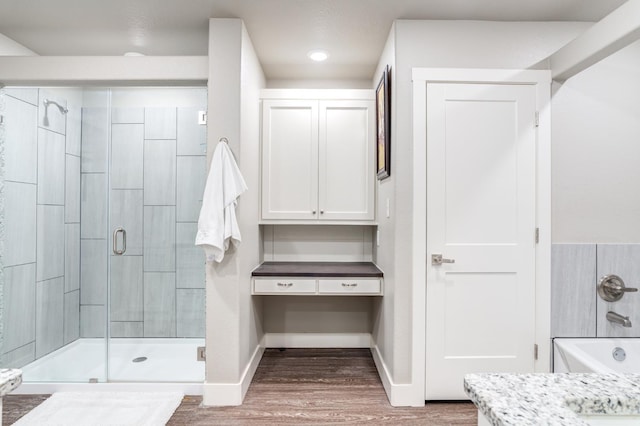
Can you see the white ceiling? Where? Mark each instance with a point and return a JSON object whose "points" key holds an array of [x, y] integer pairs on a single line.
{"points": [[282, 31]]}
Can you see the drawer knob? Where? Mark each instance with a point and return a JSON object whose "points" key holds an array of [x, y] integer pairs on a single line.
{"points": [[285, 284], [349, 284]]}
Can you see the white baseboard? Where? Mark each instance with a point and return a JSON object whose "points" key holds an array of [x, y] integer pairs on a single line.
{"points": [[400, 395], [317, 340], [228, 394]]}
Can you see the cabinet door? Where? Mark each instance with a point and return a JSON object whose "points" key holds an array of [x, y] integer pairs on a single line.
{"points": [[346, 165], [290, 159]]}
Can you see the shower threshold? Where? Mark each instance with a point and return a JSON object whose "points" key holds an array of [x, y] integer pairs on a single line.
{"points": [[171, 364]]}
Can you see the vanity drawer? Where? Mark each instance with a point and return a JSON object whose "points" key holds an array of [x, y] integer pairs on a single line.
{"points": [[349, 286], [284, 285]]}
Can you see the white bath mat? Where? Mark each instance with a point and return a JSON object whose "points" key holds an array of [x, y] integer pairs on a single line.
{"points": [[104, 408]]}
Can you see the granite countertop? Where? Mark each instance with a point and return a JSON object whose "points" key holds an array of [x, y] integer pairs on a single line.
{"points": [[10, 378], [317, 269], [552, 399]]}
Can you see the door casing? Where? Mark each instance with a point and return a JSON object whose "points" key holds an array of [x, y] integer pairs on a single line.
{"points": [[541, 79]]}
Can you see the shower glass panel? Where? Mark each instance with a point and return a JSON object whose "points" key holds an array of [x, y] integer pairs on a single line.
{"points": [[54, 262], [102, 190]]}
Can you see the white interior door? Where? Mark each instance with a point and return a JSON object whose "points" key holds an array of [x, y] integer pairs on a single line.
{"points": [[481, 214]]}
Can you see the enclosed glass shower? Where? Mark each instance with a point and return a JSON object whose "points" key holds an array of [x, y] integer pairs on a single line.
{"points": [[100, 191]]}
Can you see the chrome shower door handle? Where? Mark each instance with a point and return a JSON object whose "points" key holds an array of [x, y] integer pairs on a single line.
{"points": [[115, 241]]}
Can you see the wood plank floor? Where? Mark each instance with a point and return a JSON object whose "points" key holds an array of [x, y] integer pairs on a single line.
{"points": [[302, 386]]}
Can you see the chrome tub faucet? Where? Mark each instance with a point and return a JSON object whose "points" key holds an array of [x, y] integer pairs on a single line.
{"points": [[618, 319]]}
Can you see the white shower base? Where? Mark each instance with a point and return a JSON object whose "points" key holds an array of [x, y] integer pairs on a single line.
{"points": [[171, 364]]}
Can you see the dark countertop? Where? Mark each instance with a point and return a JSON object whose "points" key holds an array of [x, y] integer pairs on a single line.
{"points": [[317, 269]]}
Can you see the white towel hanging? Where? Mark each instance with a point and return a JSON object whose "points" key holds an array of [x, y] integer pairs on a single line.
{"points": [[217, 224]]}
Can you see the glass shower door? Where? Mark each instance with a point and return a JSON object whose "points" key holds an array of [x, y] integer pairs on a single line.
{"points": [[156, 292]]}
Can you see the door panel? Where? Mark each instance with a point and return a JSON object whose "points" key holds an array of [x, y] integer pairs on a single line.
{"points": [[481, 166], [481, 213], [466, 338]]}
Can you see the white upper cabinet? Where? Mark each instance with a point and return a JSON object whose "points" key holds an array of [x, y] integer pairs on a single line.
{"points": [[290, 159], [318, 159]]}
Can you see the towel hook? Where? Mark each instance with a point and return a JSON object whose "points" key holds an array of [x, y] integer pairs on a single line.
{"points": [[226, 141]]}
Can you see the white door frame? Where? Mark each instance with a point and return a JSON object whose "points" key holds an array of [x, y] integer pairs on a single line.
{"points": [[541, 79]]}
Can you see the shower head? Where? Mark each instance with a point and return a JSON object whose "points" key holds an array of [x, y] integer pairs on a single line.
{"points": [[48, 102]]}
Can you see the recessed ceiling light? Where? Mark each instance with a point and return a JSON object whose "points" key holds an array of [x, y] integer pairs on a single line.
{"points": [[318, 55], [133, 54]]}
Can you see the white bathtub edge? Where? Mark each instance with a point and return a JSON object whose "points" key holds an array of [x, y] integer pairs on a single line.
{"points": [[574, 359]]}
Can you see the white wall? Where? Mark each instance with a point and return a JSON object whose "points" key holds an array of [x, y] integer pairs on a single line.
{"points": [[437, 44], [233, 328], [252, 80], [317, 314], [383, 331], [596, 153], [174, 97], [319, 243], [9, 47]]}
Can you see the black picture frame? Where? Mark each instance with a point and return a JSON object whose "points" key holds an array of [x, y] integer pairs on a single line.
{"points": [[383, 134]]}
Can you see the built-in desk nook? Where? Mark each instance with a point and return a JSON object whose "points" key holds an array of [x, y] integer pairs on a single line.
{"points": [[317, 278], [315, 304]]}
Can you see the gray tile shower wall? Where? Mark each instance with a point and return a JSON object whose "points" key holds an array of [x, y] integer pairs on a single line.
{"points": [[49, 316], [622, 260], [42, 216], [126, 288], [72, 242], [93, 218], [157, 201], [51, 163], [573, 276], [21, 146], [576, 308], [20, 312], [158, 173], [159, 304]]}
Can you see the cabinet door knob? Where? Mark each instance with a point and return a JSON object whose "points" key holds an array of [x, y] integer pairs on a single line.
{"points": [[313, 212], [321, 211]]}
